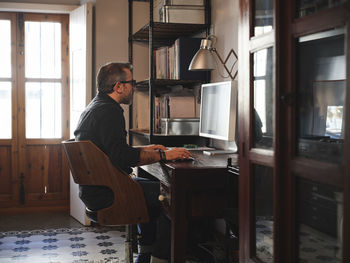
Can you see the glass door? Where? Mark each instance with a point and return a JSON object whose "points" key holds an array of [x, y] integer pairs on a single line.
{"points": [[35, 108], [44, 100], [257, 132], [320, 130], [314, 104], [8, 105]]}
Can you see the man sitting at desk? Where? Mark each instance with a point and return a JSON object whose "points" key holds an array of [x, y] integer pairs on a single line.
{"points": [[103, 123]]}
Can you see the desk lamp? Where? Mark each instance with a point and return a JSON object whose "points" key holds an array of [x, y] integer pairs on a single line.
{"points": [[204, 58]]}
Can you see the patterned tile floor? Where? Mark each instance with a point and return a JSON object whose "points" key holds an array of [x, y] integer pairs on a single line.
{"points": [[314, 246], [87, 244]]}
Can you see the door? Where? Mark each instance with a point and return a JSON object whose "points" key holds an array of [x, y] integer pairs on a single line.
{"points": [[80, 23], [315, 108], [294, 143], [37, 89], [258, 132]]}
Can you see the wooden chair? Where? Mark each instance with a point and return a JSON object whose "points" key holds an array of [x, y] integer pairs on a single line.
{"points": [[90, 166]]}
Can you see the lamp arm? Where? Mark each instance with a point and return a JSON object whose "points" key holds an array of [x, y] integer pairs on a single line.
{"points": [[224, 62]]}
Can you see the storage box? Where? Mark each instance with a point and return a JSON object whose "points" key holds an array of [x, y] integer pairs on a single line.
{"points": [[157, 5], [188, 14], [183, 2], [183, 126]]}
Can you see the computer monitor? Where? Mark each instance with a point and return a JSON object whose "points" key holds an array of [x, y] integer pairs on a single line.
{"points": [[218, 110], [328, 105]]}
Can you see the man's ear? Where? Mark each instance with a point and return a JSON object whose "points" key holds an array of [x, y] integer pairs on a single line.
{"points": [[117, 88]]}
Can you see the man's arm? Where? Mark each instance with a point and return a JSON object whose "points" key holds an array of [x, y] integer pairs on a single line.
{"points": [[152, 156], [152, 147]]}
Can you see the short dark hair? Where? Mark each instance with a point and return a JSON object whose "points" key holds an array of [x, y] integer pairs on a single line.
{"points": [[109, 74]]}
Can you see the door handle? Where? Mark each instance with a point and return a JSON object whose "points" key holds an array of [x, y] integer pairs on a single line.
{"points": [[21, 189], [288, 99]]}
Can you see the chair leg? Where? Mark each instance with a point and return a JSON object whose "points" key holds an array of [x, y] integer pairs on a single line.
{"points": [[128, 245]]}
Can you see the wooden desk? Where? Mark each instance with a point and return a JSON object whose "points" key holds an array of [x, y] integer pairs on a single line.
{"points": [[201, 188]]}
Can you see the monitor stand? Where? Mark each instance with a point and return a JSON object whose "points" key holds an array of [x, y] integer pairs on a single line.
{"points": [[216, 152]]}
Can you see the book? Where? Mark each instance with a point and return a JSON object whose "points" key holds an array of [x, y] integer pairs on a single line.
{"points": [[162, 63], [185, 49]]}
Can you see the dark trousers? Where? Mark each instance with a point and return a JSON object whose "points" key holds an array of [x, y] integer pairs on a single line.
{"points": [[155, 233]]}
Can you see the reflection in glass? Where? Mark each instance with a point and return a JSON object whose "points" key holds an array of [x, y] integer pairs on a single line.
{"points": [[263, 99], [319, 222], [5, 110], [307, 7], [5, 49], [43, 110], [263, 17], [321, 91], [263, 212], [43, 50]]}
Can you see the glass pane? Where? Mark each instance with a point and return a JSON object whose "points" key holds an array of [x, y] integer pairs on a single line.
{"points": [[43, 50], [306, 7], [43, 110], [319, 222], [5, 110], [263, 16], [263, 99], [263, 212], [321, 90], [5, 49]]}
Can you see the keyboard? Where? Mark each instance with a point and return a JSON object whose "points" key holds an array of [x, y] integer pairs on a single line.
{"points": [[189, 159]]}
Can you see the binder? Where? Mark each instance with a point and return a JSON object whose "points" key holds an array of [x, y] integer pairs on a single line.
{"points": [[185, 49]]}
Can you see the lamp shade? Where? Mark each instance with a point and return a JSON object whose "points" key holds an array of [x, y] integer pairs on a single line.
{"points": [[203, 59]]}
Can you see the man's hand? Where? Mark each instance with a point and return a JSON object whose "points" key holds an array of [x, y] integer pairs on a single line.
{"points": [[150, 154], [177, 153]]}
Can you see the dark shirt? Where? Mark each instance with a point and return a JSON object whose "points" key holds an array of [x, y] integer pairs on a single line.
{"points": [[103, 123]]}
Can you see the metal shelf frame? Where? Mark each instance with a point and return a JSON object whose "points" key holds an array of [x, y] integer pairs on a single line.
{"points": [[158, 34]]}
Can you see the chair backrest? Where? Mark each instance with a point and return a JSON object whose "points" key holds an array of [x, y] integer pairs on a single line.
{"points": [[90, 166]]}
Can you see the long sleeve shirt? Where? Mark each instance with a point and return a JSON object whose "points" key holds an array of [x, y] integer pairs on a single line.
{"points": [[103, 123]]}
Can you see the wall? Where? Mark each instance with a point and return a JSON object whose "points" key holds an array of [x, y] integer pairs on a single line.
{"points": [[224, 18], [111, 37]]}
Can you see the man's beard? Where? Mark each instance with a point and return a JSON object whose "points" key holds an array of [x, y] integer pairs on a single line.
{"points": [[128, 100]]}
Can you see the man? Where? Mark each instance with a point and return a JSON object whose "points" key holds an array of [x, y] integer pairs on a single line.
{"points": [[103, 123]]}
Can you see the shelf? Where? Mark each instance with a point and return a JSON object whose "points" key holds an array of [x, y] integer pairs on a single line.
{"points": [[167, 82], [166, 33], [145, 133], [170, 140]]}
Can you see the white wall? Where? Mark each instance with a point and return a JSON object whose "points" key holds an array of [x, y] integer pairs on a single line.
{"points": [[111, 37], [111, 34], [224, 20]]}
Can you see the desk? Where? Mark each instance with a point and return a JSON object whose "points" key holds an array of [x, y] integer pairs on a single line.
{"points": [[199, 188]]}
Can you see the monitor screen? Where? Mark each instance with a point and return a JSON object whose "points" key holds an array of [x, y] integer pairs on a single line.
{"points": [[328, 107], [218, 110]]}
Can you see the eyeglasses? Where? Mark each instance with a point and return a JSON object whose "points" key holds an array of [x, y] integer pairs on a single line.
{"points": [[132, 82]]}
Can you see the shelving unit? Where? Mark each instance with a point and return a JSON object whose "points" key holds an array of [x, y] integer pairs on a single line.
{"points": [[166, 33], [159, 34]]}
